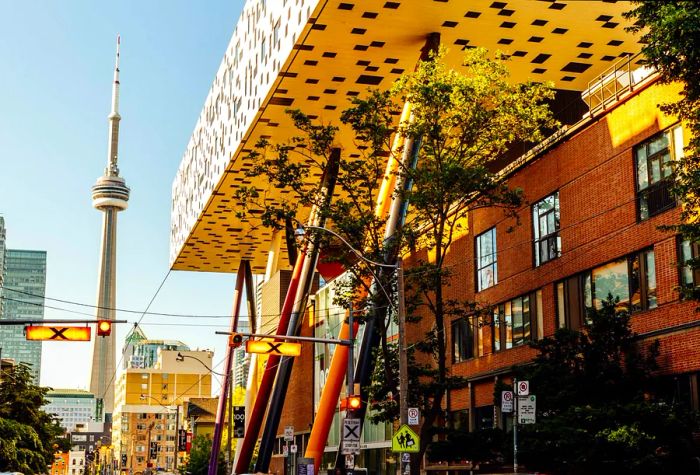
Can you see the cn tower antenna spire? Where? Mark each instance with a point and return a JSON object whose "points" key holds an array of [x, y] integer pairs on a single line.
{"points": [[114, 118], [110, 195]]}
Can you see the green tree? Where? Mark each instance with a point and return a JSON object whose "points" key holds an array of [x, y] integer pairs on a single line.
{"points": [[463, 119], [596, 407], [671, 37], [198, 461], [27, 433]]}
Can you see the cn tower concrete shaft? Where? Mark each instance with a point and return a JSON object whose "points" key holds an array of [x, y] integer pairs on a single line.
{"points": [[109, 195]]}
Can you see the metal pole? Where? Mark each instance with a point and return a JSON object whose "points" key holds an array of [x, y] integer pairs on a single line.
{"points": [[515, 426], [230, 419], [351, 356], [403, 353], [218, 425], [177, 434]]}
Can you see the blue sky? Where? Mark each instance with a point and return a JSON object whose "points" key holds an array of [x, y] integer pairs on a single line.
{"points": [[56, 70]]}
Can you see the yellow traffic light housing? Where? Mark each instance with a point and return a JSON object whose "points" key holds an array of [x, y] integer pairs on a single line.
{"points": [[104, 327], [263, 347], [41, 333]]}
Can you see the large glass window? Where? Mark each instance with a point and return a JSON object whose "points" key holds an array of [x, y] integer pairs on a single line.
{"points": [[689, 251], [462, 340], [516, 322], [630, 280], [486, 262], [545, 221], [654, 168]]}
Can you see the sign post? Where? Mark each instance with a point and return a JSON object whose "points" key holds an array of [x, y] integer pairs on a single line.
{"points": [[413, 416], [506, 401], [515, 427]]}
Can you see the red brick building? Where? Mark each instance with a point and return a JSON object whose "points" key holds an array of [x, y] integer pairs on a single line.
{"points": [[595, 198]]}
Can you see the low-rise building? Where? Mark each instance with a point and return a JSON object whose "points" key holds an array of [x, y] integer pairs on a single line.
{"points": [[148, 408]]}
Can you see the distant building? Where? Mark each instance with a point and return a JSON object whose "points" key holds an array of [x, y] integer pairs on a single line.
{"points": [[71, 406], [76, 462], [140, 352], [2, 260], [24, 285], [88, 437], [148, 405]]}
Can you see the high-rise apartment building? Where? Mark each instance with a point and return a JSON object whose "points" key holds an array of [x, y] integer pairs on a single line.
{"points": [[73, 407], [23, 293]]}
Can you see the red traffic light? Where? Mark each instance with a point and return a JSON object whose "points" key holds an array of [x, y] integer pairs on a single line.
{"points": [[354, 402], [104, 327], [235, 340]]}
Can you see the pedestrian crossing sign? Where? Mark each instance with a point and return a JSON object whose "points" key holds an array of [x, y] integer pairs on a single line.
{"points": [[405, 440]]}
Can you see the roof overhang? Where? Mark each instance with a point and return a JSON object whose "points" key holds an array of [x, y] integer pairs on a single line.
{"points": [[338, 50]]}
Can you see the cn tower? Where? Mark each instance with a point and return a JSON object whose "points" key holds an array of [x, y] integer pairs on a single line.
{"points": [[109, 195]]}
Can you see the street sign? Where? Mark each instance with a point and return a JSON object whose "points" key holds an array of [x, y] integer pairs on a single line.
{"points": [[239, 422], [285, 450], [181, 440], [293, 448], [405, 440], [413, 416], [349, 461], [351, 430], [527, 409], [273, 348], [351, 447], [507, 401], [523, 388], [40, 333], [405, 457], [305, 466], [289, 433]]}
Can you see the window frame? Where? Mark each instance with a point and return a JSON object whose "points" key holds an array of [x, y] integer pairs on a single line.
{"points": [[537, 215], [578, 290], [493, 264], [694, 250], [463, 345], [503, 320], [674, 134]]}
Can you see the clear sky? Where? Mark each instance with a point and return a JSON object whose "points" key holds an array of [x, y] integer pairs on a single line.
{"points": [[56, 66]]}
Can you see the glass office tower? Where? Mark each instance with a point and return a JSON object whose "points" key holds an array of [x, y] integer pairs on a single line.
{"points": [[23, 295]]}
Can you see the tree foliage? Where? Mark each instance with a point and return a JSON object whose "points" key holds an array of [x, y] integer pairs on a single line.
{"points": [[27, 433], [671, 37], [462, 119], [198, 460], [596, 403]]}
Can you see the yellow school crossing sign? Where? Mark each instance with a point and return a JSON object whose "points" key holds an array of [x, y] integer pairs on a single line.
{"points": [[405, 440]]}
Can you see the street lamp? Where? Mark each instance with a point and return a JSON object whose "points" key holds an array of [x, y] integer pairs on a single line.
{"points": [[181, 357]]}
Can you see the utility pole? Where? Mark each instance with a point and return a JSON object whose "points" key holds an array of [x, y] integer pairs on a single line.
{"points": [[177, 434], [515, 425], [403, 351]]}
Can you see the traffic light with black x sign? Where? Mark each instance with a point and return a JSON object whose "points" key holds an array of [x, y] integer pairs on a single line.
{"points": [[235, 340], [104, 327]]}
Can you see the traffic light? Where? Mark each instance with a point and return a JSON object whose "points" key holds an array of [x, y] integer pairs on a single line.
{"points": [[354, 402], [235, 340], [104, 327]]}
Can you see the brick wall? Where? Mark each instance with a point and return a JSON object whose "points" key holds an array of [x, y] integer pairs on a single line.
{"points": [[593, 170]]}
